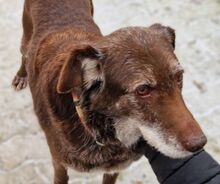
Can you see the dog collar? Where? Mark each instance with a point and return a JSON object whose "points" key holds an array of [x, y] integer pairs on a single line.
{"points": [[76, 103], [79, 111]]}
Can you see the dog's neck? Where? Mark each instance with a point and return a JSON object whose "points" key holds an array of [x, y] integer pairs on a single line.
{"points": [[99, 125]]}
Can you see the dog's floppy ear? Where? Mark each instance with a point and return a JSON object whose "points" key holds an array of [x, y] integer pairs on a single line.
{"points": [[81, 67], [168, 32]]}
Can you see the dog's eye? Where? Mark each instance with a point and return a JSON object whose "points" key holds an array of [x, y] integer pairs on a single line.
{"points": [[144, 90]]}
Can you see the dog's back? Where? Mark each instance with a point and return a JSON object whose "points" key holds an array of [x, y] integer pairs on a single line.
{"points": [[48, 25], [47, 15]]}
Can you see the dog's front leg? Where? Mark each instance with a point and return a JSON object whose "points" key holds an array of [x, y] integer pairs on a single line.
{"points": [[60, 173], [109, 178]]}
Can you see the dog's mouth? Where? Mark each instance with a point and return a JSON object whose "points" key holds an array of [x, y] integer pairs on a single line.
{"points": [[170, 145], [130, 130]]}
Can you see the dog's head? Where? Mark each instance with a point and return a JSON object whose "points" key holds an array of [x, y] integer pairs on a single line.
{"points": [[134, 76]]}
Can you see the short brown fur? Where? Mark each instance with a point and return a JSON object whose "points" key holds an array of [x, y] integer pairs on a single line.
{"points": [[44, 31], [63, 33]]}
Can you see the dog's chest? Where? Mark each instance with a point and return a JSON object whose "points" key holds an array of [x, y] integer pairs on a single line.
{"points": [[110, 167], [97, 160]]}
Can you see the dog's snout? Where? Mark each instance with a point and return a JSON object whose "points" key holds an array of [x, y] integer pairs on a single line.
{"points": [[194, 143]]}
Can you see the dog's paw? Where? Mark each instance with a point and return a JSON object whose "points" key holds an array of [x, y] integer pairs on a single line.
{"points": [[19, 83]]}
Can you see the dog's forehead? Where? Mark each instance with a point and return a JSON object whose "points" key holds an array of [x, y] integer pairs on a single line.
{"points": [[133, 74], [136, 35], [140, 44], [137, 57]]}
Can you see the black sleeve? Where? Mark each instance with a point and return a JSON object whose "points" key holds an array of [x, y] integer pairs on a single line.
{"points": [[199, 168]]}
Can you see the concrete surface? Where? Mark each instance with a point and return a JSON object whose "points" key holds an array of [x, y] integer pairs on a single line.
{"points": [[24, 155]]}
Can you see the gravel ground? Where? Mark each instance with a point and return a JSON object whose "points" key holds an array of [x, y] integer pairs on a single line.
{"points": [[24, 155]]}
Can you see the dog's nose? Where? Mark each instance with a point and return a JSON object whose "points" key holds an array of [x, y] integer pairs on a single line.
{"points": [[194, 144]]}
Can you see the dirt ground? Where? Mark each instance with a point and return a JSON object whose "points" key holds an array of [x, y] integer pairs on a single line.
{"points": [[24, 155]]}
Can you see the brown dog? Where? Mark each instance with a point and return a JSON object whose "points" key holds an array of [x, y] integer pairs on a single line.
{"points": [[126, 85]]}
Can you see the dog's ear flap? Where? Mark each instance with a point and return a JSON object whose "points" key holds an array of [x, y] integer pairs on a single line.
{"points": [[168, 32], [82, 61]]}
